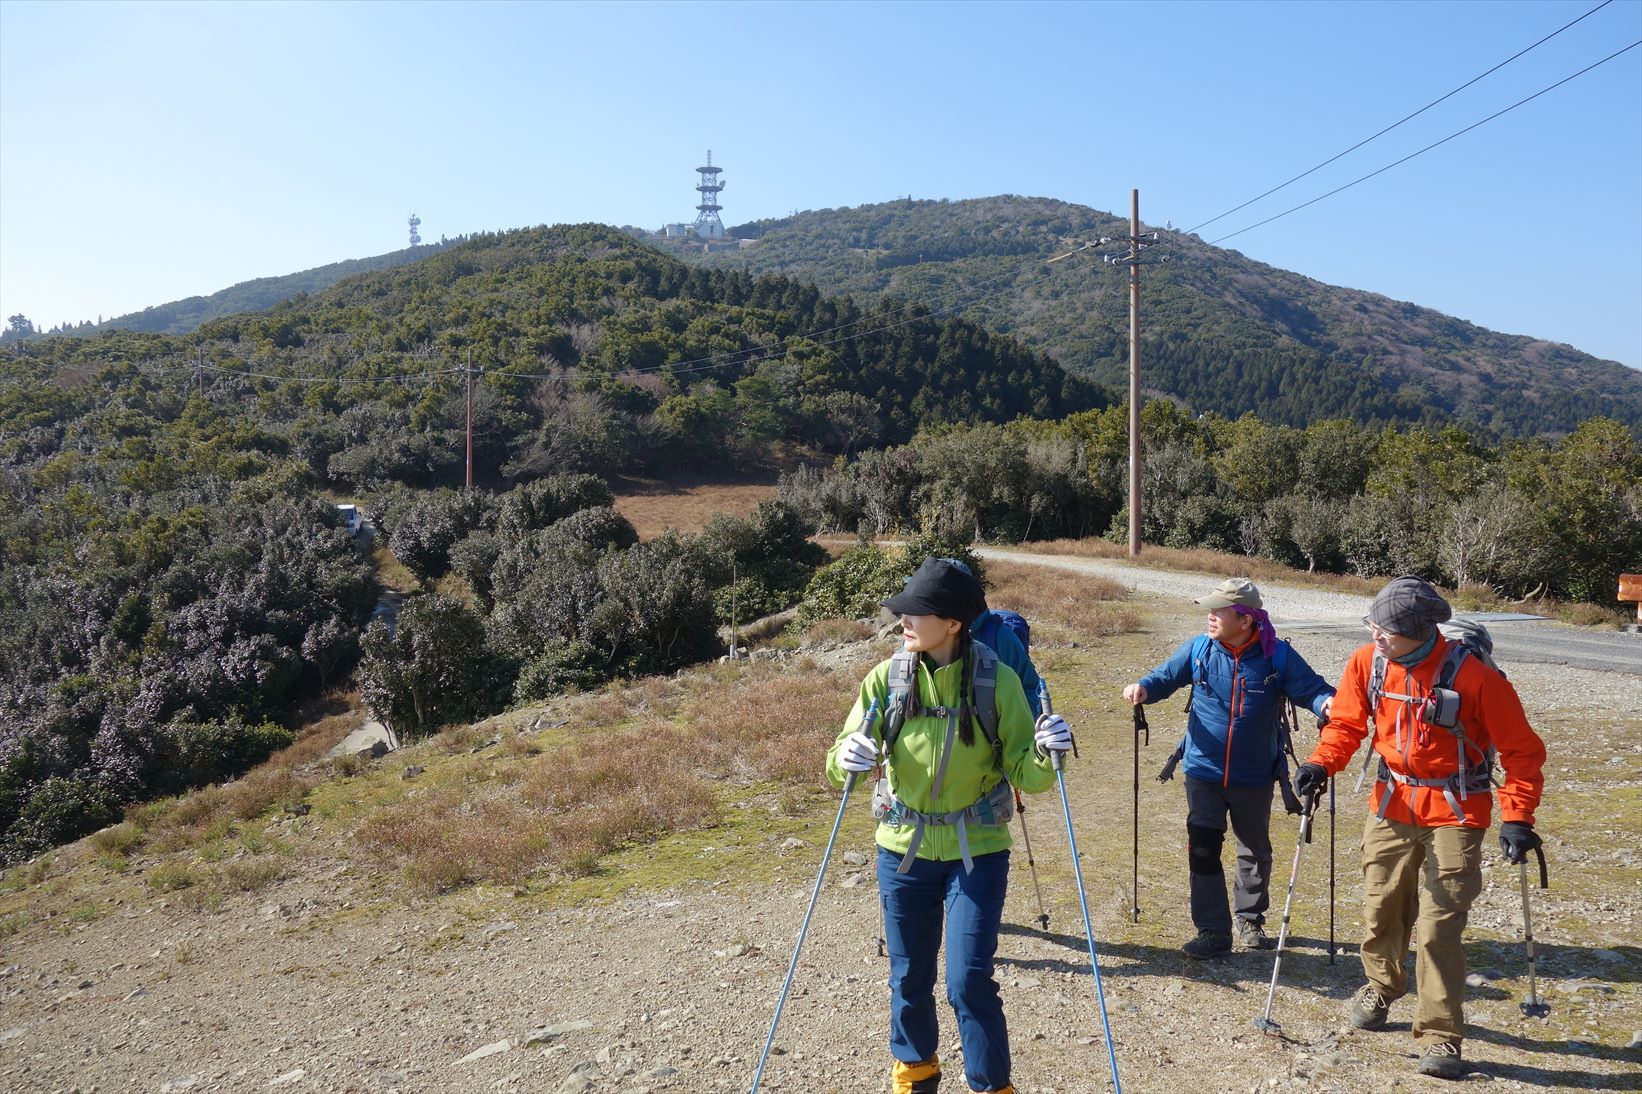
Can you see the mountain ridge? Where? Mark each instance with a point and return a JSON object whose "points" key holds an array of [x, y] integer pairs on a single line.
{"points": [[1220, 331], [1295, 348]]}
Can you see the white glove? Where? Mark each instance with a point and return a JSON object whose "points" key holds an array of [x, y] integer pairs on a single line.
{"points": [[858, 752], [1053, 734]]}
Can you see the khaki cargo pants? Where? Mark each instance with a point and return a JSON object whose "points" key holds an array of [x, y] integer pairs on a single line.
{"points": [[1418, 883]]}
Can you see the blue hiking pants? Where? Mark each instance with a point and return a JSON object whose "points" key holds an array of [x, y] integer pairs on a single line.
{"points": [[971, 904]]}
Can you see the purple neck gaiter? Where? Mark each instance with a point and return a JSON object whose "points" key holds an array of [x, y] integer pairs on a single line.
{"points": [[1262, 622]]}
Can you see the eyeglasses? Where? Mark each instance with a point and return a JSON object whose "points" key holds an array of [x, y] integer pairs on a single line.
{"points": [[1377, 631]]}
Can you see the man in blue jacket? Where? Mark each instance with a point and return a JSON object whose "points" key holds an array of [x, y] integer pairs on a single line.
{"points": [[1240, 676]]}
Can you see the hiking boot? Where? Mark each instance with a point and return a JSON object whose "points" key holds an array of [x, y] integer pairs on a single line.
{"points": [[1207, 944], [1253, 936], [923, 1078], [1442, 1060], [1369, 1008]]}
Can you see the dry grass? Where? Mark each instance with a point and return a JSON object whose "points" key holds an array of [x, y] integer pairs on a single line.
{"points": [[833, 631], [771, 724], [555, 812], [168, 877], [263, 789], [1061, 606], [390, 571], [171, 824], [251, 875], [654, 507]]}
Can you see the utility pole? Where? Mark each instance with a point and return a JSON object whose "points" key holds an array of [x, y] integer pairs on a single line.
{"points": [[469, 488], [199, 371], [1134, 374], [1137, 244]]}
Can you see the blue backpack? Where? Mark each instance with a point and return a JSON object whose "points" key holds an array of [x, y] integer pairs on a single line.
{"points": [[1003, 617]]}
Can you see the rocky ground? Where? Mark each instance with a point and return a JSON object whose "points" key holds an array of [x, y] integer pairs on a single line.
{"points": [[331, 980]]}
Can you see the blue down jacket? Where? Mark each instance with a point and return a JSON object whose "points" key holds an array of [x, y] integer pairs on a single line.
{"points": [[1233, 736]]}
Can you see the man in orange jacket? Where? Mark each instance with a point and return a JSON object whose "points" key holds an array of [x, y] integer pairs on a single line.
{"points": [[1431, 806]]}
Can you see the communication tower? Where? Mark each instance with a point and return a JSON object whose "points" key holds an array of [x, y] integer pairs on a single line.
{"points": [[707, 225], [415, 222]]}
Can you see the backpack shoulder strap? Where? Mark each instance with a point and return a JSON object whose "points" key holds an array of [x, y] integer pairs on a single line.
{"points": [[1197, 659], [1452, 660], [903, 694], [1376, 684], [983, 682]]}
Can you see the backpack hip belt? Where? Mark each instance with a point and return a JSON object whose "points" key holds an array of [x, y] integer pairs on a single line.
{"points": [[1476, 779], [996, 806]]}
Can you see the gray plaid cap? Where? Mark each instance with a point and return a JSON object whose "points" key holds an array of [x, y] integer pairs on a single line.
{"points": [[1410, 607]]}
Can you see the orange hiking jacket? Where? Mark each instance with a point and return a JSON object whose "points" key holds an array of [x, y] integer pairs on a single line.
{"points": [[1490, 712]]}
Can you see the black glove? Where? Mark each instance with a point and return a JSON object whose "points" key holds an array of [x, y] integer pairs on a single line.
{"points": [[1517, 841], [1310, 779]]}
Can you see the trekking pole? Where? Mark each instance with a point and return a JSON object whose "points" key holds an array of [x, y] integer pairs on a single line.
{"points": [[1331, 946], [1322, 723], [1058, 759], [1535, 1007], [1308, 808], [1020, 810], [1141, 729], [867, 721]]}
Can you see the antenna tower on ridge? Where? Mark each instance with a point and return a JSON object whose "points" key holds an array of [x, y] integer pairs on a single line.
{"points": [[415, 222], [707, 225]]}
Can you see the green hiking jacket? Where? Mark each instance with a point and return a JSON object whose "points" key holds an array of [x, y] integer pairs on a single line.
{"points": [[970, 774]]}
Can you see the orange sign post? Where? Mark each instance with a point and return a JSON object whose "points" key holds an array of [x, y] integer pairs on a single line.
{"points": [[1630, 588]]}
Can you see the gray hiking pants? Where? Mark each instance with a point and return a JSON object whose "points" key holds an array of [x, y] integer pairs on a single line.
{"points": [[1208, 805]]}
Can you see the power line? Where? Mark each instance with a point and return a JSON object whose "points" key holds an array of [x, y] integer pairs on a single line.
{"points": [[393, 379], [1428, 147], [1400, 121]]}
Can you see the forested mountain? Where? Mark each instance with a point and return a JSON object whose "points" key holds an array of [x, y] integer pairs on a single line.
{"points": [[174, 582], [1222, 332], [182, 316]]}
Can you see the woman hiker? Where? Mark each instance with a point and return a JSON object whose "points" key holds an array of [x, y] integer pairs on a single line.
{"points": [[944, 811]]}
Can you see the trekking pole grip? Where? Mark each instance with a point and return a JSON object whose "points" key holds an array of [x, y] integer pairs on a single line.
{"points": [[869, 719], [1047, 705]]}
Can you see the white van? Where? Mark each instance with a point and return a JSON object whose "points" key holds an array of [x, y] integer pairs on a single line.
{"points": [[352, 518]]}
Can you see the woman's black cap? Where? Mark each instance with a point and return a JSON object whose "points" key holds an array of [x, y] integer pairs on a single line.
{"points": [[939, 588]]}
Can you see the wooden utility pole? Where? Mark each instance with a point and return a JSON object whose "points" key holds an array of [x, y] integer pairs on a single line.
{"points": [[1134, 374], [469, 488]]}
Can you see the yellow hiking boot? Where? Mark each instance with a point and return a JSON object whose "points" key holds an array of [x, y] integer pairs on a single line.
{"points": [[924, 1078]]}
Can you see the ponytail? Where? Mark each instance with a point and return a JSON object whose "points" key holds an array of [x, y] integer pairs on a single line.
{"points": [[966, 688]]}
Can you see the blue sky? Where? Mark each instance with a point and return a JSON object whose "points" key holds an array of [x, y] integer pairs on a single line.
{"points": [[154, 151]]}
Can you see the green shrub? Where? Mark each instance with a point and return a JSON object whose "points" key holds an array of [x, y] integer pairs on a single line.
{"points": [[58, 810], [209, 752], [927, 544], [851, 587], [564, 664]]}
